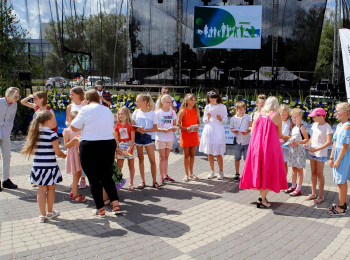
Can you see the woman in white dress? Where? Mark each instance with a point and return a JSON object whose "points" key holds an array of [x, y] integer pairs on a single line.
{"points": [[213, 137]]}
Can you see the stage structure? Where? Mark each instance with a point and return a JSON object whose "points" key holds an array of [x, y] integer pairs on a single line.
{"points": [[162, 37]]}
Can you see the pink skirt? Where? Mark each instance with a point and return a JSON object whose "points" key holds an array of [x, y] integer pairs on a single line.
{"points": [[73, 164]]}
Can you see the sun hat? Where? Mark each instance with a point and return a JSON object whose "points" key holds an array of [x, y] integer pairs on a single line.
{"points": [[317, 112]]}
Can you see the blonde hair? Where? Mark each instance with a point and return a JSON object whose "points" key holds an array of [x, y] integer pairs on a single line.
{"points": [[126, 113], [162, 98], [42, 95], [271, 105], [284, 107], [34, 133], [10, 92], [240, 104], [344, 106], [72, 115], [148, 99], [185, 101], [296, 111]]}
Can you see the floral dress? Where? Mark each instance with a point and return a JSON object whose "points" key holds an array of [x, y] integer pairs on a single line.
{"points": [[297, 156]]}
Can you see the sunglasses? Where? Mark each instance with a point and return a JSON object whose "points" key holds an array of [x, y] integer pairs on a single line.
{"points": [[212, 94]]}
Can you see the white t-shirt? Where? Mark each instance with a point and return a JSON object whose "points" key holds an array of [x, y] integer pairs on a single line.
{"points": [[95, 121], [165, 120], [319, 138], [241, 124], [145, 119]]}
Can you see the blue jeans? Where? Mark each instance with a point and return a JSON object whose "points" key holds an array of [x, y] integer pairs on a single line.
{"points": [[239, 150]]}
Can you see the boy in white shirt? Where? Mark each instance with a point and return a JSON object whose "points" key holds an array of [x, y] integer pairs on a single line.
{"points": [[240, 125]]}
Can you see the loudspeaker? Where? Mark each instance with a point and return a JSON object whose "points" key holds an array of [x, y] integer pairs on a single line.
{"points": [[25, 76], [160, 1]]}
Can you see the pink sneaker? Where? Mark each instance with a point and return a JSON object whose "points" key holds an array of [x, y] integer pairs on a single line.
{"points": [[82, 184]]}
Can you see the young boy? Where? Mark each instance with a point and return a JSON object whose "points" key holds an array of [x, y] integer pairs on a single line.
{"points": [[240, 125]]}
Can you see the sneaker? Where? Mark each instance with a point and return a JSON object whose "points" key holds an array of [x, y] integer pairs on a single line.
{"points": [[82, 184], [236, 178], [211, 175], [162, 182], [168, 179], [295, 193], [291, 189], [9, 184], [220, 176]]}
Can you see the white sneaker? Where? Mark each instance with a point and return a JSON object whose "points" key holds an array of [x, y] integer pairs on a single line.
{"points": [[220, 176], [211, 175]]}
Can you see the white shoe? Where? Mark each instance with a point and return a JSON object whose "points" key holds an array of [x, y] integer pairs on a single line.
{"points": [[220, 176], [211, 175]]}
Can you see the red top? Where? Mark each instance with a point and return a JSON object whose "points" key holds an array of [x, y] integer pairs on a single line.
{"points": [[189, 139], [124, 132]]}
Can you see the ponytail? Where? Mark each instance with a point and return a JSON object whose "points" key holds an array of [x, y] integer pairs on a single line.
{"points": [[34, 133]]}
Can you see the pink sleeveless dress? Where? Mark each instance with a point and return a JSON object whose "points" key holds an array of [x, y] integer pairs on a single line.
{"points": [[73, 164], [264, 166]]}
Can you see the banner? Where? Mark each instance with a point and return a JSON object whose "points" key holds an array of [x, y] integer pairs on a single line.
{"points": [[345, 47], [227, 27]]}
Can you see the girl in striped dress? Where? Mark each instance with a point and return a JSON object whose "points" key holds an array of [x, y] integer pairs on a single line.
{"points": [[43, 143]]}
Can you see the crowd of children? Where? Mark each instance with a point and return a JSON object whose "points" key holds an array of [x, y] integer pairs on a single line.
{"points": [[133, 133]]}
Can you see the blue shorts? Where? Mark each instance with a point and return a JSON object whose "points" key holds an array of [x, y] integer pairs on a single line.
{"points": [[143, 139], [239, 149], [320, 159]]}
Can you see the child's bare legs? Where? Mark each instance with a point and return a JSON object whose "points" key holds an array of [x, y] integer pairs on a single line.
{"points": [[166, 161], [343, 190], [320, 177], [263, 194], [161, 163], [294, 176], [286, 167], [104, 194], [131, 164], [300, 178], [186, 151], [50, 197], [141, 162], [76, 177], [220, 162], [211, 161], [313, 176], [192, 155], [41, 198], [237, 166], [152, 161]]}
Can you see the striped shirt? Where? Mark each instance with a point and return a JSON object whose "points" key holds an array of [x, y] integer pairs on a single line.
{"points": [[44, 156]]}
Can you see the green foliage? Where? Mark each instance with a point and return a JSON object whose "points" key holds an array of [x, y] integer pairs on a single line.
{"points": [[94, 36]]}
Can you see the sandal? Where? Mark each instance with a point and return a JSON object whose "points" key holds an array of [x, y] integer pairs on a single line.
{"points": [[157, 186], [78, 198], [131, 187], [107, 202], [260, 203], [335, 205], [42, 219], [53, 214], [193, 177], [116, 210], [99, 213], [186, 179], [334, 212], [141, 185], [311, 197], [319, 200]]}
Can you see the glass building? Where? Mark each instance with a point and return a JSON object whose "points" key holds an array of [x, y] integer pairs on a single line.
{"points": [[157, 29]]}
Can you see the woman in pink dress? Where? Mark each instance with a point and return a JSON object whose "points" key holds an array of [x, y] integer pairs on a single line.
{"points": [[264, 167]]}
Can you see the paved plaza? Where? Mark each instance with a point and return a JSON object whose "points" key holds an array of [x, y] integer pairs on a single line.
{"points": [[204, 219]]}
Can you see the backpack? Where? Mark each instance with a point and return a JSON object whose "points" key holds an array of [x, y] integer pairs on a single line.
{"points": [[302, 137]]}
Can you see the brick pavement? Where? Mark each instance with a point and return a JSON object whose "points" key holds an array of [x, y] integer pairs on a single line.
{"points": [[204, 219]]}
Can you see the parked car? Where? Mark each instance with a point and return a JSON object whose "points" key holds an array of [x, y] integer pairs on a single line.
{"points": [[133, 81], [58, 82], [91, 80]]}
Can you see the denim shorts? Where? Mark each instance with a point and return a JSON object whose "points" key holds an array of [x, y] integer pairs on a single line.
{"points": [[143, 139], [320, 159], [239, 149]]}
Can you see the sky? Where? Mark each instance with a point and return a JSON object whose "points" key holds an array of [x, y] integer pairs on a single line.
{"points": [[30, 20]]}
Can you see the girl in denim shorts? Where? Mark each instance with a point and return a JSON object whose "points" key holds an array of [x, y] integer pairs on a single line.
{"points": [[145, 121], [320, 140]]}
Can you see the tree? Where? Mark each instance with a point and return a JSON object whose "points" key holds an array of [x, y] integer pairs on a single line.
{"points": [[92, 38]]}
